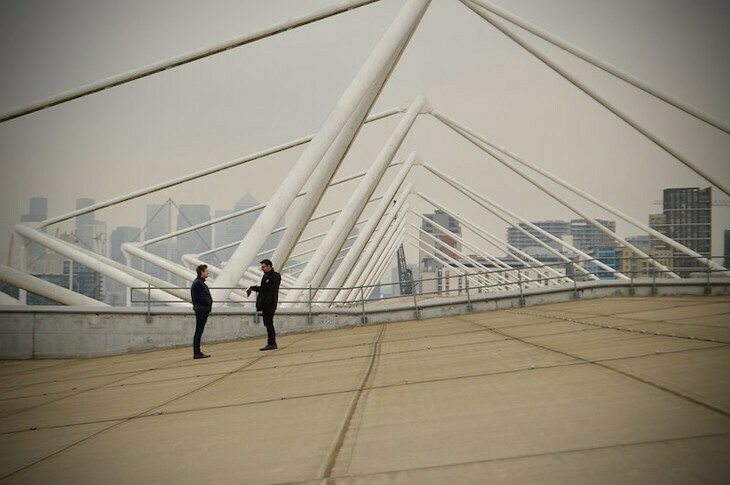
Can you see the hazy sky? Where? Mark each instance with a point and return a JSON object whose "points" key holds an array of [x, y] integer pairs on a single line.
{"points": [[283, 87]]}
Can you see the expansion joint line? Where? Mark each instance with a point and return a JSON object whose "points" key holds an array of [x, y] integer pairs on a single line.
{"points": [[613, 327], [337, 447], [673, 392], [122, 421]]}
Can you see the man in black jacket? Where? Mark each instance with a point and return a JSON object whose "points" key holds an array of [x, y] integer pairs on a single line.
{"points": [[267, 299], [202, 304]]}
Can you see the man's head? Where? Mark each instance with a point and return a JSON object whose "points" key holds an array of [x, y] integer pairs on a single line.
{"points": [[202, 271], [266, 265]]}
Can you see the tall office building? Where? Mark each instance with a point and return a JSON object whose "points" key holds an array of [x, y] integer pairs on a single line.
{"points": [[158, 223], [516, 238], [115, 292], [198, 240], [90, 235], [688, 214], [588, 237], [430, 268], [36, 255], [235, 229]]}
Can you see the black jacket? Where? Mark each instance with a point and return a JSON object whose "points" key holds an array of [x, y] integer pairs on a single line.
{"points": [[200, 294], [268, 291]]}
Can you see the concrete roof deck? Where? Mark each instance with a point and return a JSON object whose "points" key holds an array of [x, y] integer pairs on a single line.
{"points": [[613, 390]]}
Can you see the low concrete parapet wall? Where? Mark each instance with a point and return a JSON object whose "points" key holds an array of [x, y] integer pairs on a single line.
{"points": [[61, 332]]}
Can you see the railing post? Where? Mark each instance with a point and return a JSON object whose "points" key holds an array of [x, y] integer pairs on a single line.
{"points": [[632, 290], [653, 276], [519, 281], [363, 318], [417, 312], [575, 284], [309, 316], [149, 303], [708, 270], [469, 307]]}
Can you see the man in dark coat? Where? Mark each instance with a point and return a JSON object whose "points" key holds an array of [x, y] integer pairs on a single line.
{"points": [[267, 299], [202, 304]]}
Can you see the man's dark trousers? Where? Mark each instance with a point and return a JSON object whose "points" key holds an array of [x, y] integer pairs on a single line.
{"points": [[268, 316], [201, 316]]}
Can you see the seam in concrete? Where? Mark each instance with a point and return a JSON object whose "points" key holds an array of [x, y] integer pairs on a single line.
{"points": [[624, 373], [331, 457], [517, 457], [614, 327], [121, 421]]}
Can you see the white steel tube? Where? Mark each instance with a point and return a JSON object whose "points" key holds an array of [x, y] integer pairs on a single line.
{"points": [[383, 246], [394, 40], [7, 300], [43, 288], [613, 70], [319, 179], [321, 261], [491, 206], [364, 256], [120, 79], [356, 250], [520, 255], [377, 273], [671, 242], [495, 261], [95, 262], [606, 104], [197, 175], [479, 143]]}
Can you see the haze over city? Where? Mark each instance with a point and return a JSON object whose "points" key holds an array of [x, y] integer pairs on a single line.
{"points": [[281, 88]]}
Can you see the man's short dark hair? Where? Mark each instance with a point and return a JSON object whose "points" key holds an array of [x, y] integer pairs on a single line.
{"points": [[267, 262], [201, 268]]}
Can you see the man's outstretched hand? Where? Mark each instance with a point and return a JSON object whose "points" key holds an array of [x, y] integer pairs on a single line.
{"points": [[248, 291]]}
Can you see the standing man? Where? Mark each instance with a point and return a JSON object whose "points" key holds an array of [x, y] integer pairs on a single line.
{"points": [[266, 300], [202, 304]]}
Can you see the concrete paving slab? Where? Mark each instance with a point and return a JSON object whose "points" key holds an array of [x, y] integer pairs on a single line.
{"points": [[260, 443], [614, 344], [701, 374], [473, 411], [101, 404], [453, 362], [505, 416], [22, 449], [269, 384], [704, 460], [206, 368], [718, 307], [63, 386]]}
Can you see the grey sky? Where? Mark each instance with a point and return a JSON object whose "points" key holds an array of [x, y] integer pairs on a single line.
{"points": [[282, 88]]}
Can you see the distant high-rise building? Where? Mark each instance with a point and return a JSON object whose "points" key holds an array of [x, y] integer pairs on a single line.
{"points": [[235, 229], [198, 240], [35, 261], [588, 237], [158, 223], [115, 292], [518, 239], [429, 266], [689, 222], [38, 210], [90, 235]]}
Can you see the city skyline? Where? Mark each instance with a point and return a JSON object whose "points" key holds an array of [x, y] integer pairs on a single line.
{"points": [[280, 89]]}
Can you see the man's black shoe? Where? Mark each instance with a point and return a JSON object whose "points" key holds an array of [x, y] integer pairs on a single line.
{"points": [[269, 347], [201, 356]]}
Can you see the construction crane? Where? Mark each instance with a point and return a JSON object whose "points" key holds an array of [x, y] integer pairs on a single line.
{"points": [[405, 275]]}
